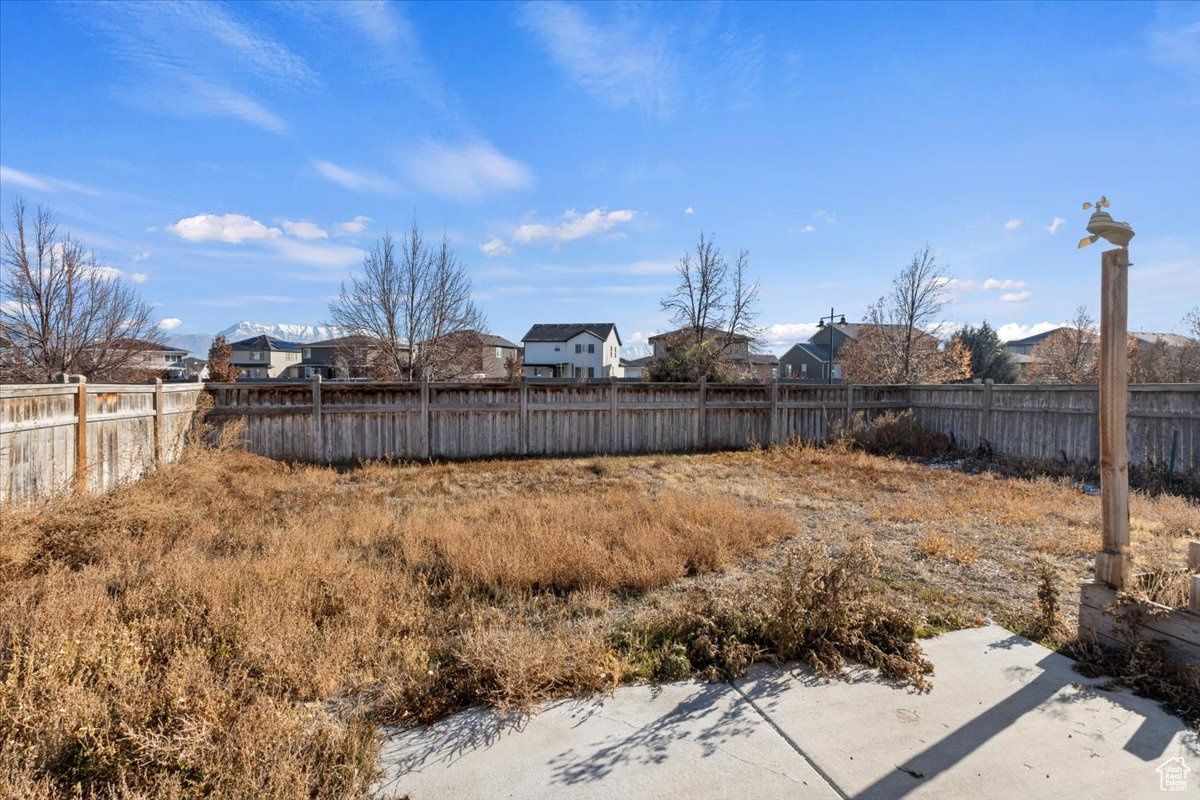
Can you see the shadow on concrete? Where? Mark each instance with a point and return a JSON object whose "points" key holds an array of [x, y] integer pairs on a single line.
{"points": [[698, 719]]}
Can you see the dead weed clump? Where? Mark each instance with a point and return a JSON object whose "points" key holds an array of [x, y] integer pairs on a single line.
{"points": [[823, 609], [894, 434]]}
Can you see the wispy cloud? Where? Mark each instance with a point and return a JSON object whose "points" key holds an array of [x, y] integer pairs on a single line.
{"points": [[620, 62], [807, 228], [1057, 223], [828, 217], [1012, 224], [170, 323], [355, 180], [195, 59], [44, 183], [1015, 297], [465, 172], [572, 225], [304, 229], [689, 211], [495, 247], [1173, 39], [991, 284]]}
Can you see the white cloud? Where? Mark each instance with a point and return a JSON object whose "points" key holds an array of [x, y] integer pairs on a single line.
{"points": [[807, 229], [137, 277], [43, 183], [1015, 297], [689, 211], [573, 225], [467, 172], [992, 284], [1010, 331], [325, 256], [351, 227], [621, 63], [140, 256], [1012, 224], [786, 334], [637, 337], [1055, 225], [229, 228], [304, 230], [170, 323], [354, 180], [828, 217], [495, 247]]}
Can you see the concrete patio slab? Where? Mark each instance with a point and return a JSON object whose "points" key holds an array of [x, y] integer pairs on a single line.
{"points": [[1006, 718], [687, 740]]}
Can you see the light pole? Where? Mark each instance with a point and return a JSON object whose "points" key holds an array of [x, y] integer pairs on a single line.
{"points": [[1114, 562], [821, 324]]}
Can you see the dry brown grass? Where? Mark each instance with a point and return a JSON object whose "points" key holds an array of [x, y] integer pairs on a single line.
{"points": [[238, 627]]}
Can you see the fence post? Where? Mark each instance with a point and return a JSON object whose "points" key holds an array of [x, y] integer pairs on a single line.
{"points": [[523, 419], [1114, 563], [1194, 566], [81, 439], [318, 423], [985, 415], [774, 427], [849, 406], [612, 416], [701, 425], [425, 444], [158, 424]]}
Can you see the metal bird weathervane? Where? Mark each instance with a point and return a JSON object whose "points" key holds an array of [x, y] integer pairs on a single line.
{"points": [[1102, 226]]}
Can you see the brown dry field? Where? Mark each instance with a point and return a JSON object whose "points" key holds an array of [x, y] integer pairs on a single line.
{"points": [[239, 627]]}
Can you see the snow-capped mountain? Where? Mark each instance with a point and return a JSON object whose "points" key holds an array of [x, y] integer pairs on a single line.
{"points": [[197, 344]]}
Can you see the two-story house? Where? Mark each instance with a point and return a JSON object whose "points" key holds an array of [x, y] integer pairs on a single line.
{"points": [[469, 356], [573, 350], [737, 356], [343, 358], [264, 357], [151, 357], [813, 360]]}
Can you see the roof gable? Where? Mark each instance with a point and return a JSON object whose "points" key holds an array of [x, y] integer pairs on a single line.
{"points": [[561, 332]]}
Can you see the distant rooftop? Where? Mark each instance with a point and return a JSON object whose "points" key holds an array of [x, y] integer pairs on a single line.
{"points": [[561, 332], [264, 342]]}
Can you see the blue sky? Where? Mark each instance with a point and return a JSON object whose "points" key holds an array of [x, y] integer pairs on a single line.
{"points": [[234, 160]]}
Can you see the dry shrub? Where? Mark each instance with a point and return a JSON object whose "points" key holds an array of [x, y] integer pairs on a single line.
{"points": [[824, 609], [894, 434]]}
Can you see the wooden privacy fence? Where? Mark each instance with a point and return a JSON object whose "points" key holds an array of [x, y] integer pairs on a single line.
{"points": [[89, 437], [347, 422], [1061, 422]]}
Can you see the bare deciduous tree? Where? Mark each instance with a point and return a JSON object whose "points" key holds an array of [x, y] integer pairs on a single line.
{"points": [[715, 305], [896, 346], [412, 300], [63, 312], [1069, 355]]}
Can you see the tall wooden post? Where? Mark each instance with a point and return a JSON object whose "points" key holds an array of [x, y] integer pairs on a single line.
{"points": [[613, 434], [1114, 562], [81, 439], [701, 422], [425, 444], [773, 431], [523, 419]]}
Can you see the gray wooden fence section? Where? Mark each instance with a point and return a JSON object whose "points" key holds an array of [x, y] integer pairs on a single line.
{"points": [[88, 437], [347, 422], [1050, 422]]}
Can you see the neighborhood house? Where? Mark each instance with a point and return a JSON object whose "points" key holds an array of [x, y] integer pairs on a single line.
{"points": [[264, 357], [573, 350]]}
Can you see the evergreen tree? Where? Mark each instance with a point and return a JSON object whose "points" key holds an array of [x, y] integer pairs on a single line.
{"points": [[989, 359]]}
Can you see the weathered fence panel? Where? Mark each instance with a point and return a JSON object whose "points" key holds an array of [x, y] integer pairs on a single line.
{"points": [[1061, 423], [90, 437]]}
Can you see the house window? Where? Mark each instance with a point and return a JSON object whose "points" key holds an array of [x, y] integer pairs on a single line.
{"points": [[499, 352], [591, 348], [256, 356], [308, 352], [804, 370], [556, 348], [837, 371], [591, 372], [578, 348]]}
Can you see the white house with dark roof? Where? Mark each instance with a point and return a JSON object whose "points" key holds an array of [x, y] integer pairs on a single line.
{"points": [[573, 350]]}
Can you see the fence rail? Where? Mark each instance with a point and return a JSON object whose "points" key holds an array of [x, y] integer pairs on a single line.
{"points": [[93, 437]]}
